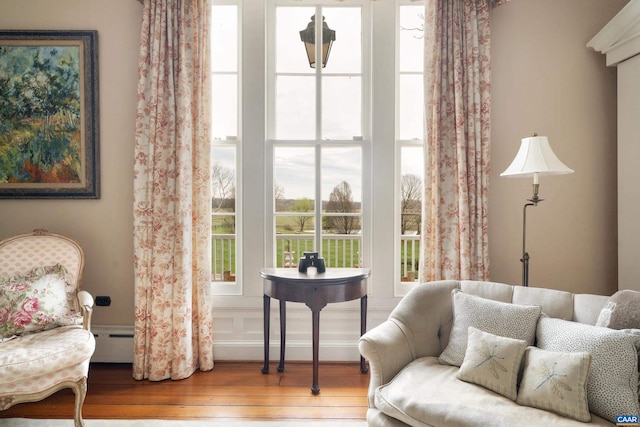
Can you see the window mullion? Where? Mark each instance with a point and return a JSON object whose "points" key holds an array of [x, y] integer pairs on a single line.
{"points": [[318, 196], [318, 150], [318, 70]]}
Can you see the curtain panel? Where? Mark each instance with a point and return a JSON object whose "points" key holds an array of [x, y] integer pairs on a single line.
{"points": [[172, 193], [457, 131]]}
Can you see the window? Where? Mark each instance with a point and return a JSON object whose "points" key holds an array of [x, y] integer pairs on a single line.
{"points": [[409, 140], [317, 136], [294, 146], [225, 243]]}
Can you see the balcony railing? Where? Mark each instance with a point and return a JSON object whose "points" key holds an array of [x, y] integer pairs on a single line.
{"points": [[338, 250], [223, 257]]}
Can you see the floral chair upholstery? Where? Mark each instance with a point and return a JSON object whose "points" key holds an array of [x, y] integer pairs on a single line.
{"points": [[45, 320]]}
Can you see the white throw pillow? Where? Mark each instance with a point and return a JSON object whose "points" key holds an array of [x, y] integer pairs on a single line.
{"points": [[498, 318], [556, 382], [492, 362], [612, 386]]}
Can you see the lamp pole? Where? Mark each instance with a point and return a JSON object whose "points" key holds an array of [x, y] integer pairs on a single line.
{"points": [[525, 255]]}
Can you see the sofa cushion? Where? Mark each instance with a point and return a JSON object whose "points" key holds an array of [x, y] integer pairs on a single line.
{"points": [[587, 308], [499, 318], [493, 362], [555, 303], [612, 386], [556, 381], [38, 300], [426, 392]]}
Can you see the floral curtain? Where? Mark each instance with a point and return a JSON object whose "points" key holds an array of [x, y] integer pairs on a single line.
{"points": [[457, 131], [172, 193]]}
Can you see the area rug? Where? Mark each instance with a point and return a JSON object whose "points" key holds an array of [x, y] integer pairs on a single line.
{"points": [[27, 422]]}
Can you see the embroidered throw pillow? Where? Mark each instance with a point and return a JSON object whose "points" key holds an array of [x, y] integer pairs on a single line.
{"points": [[38, 300], [495, 317], [556, 382], [612, 384], [492, 362]]}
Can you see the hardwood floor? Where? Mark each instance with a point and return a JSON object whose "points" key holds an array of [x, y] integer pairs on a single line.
{"points": [[231, 391]]}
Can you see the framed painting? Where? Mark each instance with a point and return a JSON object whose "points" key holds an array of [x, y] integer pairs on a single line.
{"points": [[49, 126]]}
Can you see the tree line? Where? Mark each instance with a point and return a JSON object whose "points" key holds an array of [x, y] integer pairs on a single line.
{"points": [[340, 200]]}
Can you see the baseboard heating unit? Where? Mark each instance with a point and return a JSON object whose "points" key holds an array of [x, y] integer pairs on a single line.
{"points": [[114, 344]]}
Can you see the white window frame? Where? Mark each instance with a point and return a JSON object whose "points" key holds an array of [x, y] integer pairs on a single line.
{"points": [[364, 143], [235, 287], [380, 159], [400, 288]]}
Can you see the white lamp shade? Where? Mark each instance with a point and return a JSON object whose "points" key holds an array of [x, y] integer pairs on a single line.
{"points": [[536, 157]]}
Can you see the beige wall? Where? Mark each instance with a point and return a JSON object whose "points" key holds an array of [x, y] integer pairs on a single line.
{"points": [[103, 227], [545, 80]]}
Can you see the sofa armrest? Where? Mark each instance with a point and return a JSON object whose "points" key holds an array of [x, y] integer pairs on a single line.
{"points": [[387, 350], [414, 329], [86, 307]]}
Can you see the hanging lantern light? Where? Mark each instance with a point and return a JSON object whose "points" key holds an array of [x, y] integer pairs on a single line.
{"points": [[308, 36]]}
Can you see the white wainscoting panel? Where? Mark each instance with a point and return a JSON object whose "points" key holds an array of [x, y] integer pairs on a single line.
{"points": [[238, 334]]}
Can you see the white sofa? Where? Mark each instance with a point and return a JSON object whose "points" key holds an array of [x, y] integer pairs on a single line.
{"points": [[409, 385]]}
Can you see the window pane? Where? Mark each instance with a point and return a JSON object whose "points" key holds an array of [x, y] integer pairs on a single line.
{"points": [[223, 221], [224, 38], [342, 205], [295, 107], [294, 174], [346, 52], [224, 127], [224, 106], [411, 190], [411, 38], [342, 179], [341, 107], [223, 176], [410, 210], [411, 107], [291, 56], [223, 249]]}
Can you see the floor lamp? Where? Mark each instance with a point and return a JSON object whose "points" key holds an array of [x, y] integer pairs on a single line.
{"points": [[534, 159]]}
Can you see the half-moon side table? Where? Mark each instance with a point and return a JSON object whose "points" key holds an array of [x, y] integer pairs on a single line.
{"points": [[316, 290]]}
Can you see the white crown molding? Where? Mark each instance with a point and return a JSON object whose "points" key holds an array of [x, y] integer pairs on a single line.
{"points": [[620, 38]]}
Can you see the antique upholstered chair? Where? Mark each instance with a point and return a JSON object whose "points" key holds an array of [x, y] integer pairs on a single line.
{"points": [[45, 320]]}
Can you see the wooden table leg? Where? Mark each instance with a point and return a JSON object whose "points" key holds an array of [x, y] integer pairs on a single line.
{"points": [[266, 311], [363, 329], [315, 388], [283, 333]]}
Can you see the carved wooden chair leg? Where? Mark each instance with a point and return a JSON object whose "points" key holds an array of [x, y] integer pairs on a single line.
{"points": [[80, 390]]}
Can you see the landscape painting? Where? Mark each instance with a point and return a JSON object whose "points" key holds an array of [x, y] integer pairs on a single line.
{"points": [[48, 114]]}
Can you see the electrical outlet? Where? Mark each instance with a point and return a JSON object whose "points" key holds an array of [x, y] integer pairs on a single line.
{"points": [[103, 301]]}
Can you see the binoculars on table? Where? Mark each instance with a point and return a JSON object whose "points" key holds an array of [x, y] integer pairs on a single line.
{"points": [[311, 259]]}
